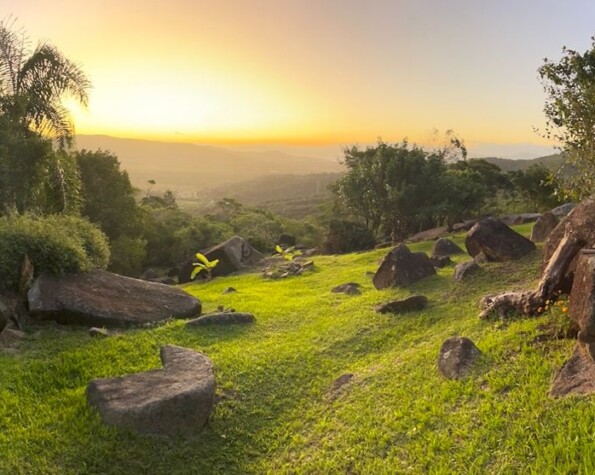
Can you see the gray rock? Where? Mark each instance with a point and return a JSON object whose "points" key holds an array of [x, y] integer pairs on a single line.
{"points": [[457, 357], [233, 254], [175, 400], [445, 247], [563, 210], [497, 241], [410, 304], [103, 299], [465, 269], [351, 290], [577, 375], [544, 226], [401, 267], [11, 338], [582, 301], [222, 318], [512, 219], [229, 290]]}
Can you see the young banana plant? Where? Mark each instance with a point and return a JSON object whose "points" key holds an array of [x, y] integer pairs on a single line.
{"points": [[203, 265]]}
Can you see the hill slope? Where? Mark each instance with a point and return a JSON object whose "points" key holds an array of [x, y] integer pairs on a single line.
{"points": [[189, 167], [280, 408], [553, 162]]}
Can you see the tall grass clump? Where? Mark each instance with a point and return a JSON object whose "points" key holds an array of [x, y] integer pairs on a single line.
{"points": [[56, 244]]}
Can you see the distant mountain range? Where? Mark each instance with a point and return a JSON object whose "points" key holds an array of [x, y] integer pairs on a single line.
{"points": [[189, 167], [201, 171]]}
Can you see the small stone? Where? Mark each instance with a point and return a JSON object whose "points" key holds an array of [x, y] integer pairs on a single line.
{"points": [[229, 290], [343, 287], [99, 332], [457, 357], [222, 318], [351, 290], [410, 304], [445, 247], [340, 382]]}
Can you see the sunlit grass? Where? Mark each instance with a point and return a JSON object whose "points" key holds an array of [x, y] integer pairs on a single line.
{"points": [[277, 413]]}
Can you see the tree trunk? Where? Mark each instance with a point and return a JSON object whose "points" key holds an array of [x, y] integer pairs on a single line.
{"points": [[532, 302]]}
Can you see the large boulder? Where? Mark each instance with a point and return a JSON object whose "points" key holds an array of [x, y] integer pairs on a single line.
{"points": [[445, 247], [512, 219], [582, 301], [176, 400], [497, 241], [401, 267], [563, 210], [99, 298], [544, 226], [457, 357], [233, 254]]}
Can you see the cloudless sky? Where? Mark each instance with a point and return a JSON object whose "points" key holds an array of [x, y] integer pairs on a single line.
{"points": [[310, 71]]}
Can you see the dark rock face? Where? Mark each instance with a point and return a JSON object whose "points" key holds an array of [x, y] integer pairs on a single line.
{"points": [[233, 254], [445, 247], [577, 375], [457, 356], [410, 304], [465, 269], [581, 220], [100, 298], [400, 267], [222, 318], [497, 241], [582, 301], [175, 400], [4, 315], [544, 226], [440, 261]]}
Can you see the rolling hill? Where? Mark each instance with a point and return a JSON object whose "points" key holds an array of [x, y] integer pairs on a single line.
{"points": [[187, 168]]}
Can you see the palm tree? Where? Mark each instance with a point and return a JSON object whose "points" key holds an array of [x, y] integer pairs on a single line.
{"points": [[33, 84]]}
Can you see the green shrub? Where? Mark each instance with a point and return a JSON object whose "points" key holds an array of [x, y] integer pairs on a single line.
{"points": [[346, 236], [55, 244]]}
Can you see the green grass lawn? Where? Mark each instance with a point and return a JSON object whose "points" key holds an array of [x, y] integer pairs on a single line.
{"points": [[277, 413]]}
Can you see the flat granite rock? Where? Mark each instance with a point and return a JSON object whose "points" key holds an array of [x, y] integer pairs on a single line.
{"points": [[222, 318], [173, 401], [102, 299]]}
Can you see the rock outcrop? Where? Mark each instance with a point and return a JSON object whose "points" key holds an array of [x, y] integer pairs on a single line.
{"points": [[233, 254], [103, 299], [582, 301], [176, 400], [497, 241], [401, 267], [465, 269], [577, 375]]}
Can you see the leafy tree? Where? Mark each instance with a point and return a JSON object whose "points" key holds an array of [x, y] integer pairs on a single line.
{"points": [[536, 186], [570, 111], [33, 84], [108, 194]]}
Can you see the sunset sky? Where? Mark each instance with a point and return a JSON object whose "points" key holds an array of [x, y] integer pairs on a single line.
{"points": [[310, 72]]}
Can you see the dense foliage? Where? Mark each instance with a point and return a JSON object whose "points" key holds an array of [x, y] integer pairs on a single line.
{"points": [[570, 111], [54, 244]]}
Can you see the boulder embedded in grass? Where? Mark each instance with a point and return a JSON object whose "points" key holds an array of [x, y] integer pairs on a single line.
{"points": [[350, 288], [410, 304], [497, 241], [445, 247], [100, 298], [465, 269], [176, 400], [401, 267], [457, 357], [222, 318]]}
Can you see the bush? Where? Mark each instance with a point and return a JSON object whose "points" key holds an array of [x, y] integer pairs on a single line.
{"points": [[55, 244], [346, 236]]}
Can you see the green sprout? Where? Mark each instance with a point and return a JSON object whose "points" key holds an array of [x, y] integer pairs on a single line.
{"points": [[203, 265], [288, 253]]}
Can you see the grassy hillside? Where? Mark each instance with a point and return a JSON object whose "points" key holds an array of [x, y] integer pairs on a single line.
{"points": [[278, 412]]}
